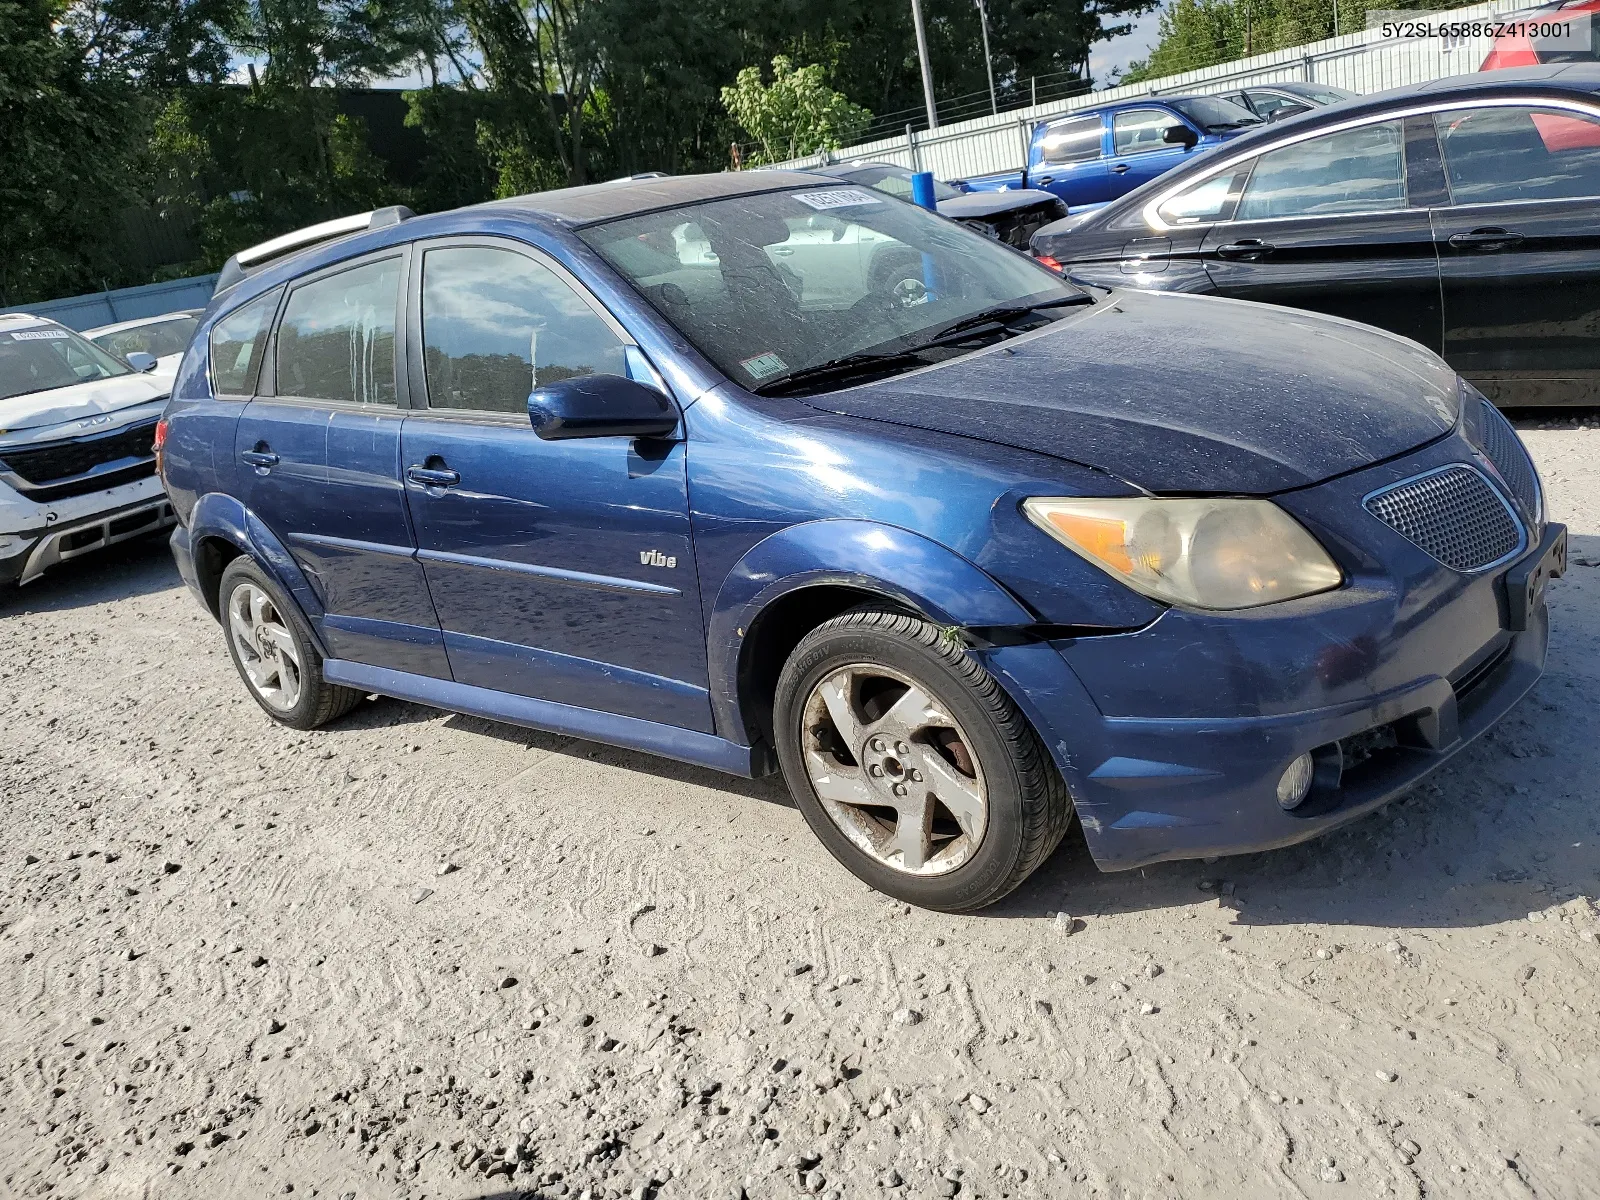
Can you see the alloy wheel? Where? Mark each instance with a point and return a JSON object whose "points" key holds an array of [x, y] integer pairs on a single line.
{"points": [[893, 770], [265, 647]]}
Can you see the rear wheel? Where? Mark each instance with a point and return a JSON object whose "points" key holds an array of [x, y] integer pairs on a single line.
{"points": [[912, 765], [274, 652]]}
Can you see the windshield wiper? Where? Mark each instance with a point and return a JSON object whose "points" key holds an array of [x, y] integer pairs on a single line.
{"points": [[838, 368], [1001, 314]]}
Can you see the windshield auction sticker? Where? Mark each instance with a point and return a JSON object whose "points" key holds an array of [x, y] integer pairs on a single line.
{"points": [[837, 198], [763, 365], [40, 335]]}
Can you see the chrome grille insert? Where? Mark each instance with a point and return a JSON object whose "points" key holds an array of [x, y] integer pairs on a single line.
{"points": [[1453, 513], [1510, 458]]}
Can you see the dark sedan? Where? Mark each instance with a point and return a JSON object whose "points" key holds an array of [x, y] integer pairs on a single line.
{"points": [[1012, 216], [1463, 214]]}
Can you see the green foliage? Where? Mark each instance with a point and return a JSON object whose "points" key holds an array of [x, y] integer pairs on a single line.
{"points": [[1202, 33], [797, 113]]}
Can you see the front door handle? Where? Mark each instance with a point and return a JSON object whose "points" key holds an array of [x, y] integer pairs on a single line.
{"points": [[1246, 250], [432, 477], [1487, 239], [261, 459], [1120, 169]]}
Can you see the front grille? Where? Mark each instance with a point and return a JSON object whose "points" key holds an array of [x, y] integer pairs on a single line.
{"points": [[1454, 514], [1510, 458], [74, 466]]}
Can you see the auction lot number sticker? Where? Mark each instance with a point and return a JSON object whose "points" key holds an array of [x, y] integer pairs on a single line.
{"points": [[836, 198]]}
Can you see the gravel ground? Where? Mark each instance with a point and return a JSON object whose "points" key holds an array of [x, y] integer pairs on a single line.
{"points": [[419, 955]]}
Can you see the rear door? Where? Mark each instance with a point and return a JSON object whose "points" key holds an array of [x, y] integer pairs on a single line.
{"points": [[319, 454], [1138, 151], [562, 570], [1326, 223], [1519, 251], [1068, 159]]}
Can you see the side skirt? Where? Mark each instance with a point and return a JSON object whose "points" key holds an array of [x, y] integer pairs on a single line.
{"points": [[685, 745]]}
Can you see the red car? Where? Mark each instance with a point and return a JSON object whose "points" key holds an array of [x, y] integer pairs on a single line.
{"points": [[1520, 51]]}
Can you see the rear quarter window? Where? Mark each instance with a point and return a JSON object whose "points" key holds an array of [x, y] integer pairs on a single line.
{"points": [[237, 342]]}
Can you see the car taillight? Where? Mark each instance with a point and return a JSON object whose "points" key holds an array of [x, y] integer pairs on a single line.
{"points": [[1053, 264], [161, 441]]}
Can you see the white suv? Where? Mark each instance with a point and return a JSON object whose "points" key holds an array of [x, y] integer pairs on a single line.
{"points": [[77, 458]]}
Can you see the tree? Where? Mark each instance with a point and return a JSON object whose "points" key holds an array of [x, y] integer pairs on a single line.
{"points": [[798, 113]]}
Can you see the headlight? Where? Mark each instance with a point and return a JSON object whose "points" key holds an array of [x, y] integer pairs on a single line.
{"points": [[1219, 554]]}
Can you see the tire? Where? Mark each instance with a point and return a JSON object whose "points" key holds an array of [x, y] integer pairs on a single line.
{"points": [[981, 806], [275, 645]]}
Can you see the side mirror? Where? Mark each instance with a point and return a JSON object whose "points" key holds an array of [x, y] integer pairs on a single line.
{"points": [[1180, 135], [140, 361], [588, 406]]}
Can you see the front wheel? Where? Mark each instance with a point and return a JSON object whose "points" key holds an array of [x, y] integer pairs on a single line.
{"points": [[912, 765]]}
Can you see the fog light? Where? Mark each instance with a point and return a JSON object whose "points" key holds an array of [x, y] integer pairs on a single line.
{"points": [[1295, 784]]}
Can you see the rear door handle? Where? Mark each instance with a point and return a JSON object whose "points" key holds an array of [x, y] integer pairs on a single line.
{"points": [[430, 477], [1246, 250], [1044, 179], [260, 458], [1488, 239], [1120, 169]]}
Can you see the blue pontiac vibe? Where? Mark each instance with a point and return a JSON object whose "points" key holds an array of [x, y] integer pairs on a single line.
{"points": [[768, 471]]}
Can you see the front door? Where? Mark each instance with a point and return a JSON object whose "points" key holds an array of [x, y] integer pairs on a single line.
{"points": [[1325, 224], [1138, 151], [321, 455], [561, 570], [1519, 252]]}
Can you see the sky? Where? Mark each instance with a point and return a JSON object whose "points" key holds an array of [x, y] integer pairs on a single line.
{"points": [[1119, 52]]}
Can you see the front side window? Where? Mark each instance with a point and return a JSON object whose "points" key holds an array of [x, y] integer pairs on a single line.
{"points": [[496, 325], [336, 339], [236, 345], [1354, 170], [1140, 130], [47, 357], [1519, 153], [159, 338], [769, 284], [1071, 141]]}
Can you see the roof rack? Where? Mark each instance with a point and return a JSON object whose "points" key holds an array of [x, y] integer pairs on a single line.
{"points": [[247, 262]]}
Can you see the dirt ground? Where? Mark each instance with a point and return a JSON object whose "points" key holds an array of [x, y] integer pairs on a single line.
{"points": [[419, 955]]}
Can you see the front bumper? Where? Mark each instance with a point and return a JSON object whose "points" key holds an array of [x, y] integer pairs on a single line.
{"points": [[1172, 738], [84, 525]]}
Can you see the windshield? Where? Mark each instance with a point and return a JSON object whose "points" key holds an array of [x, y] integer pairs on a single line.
{"points": [[896, 181], [159, 338], [1325, 95], [770, 285], [46, 357], [1214, 114]]}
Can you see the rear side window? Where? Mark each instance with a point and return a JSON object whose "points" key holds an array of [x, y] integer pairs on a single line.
{"points": [[1522, 153], [236, 345], [1354, 170], [336, 339], [1071, 141], [496, 325]]}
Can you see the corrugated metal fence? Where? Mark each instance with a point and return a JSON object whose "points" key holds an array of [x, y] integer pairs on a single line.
{"points": [[1363, 62], [125, 304]]}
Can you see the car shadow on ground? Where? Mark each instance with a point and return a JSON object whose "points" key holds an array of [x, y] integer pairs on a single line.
{"points": [[133, 568]]}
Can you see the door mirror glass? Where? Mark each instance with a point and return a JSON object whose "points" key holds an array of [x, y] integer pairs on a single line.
{"points": [[140, 361], [588, 406], [1180, 135]]}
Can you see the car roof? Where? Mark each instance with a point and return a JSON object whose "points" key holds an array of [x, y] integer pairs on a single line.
{"points": [[119, 326], [1134, 102], [576, 207], [10, 322]]}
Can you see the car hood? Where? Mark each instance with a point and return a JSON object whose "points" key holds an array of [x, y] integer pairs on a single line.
{"points": [[81, 400], [973, 205], [1184, 394]]}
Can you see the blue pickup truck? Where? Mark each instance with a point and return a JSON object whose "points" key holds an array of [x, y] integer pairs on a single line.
{"points": [[1093, 156]]}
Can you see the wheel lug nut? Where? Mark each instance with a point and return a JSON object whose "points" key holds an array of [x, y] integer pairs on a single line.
{"points": [[899, 789], [914, 776], [902, 749], [874, 770], [879, 745]]}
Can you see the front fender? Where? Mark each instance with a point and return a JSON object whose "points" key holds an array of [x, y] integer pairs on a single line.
{"points": [[221, 516], [895, 563]]}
